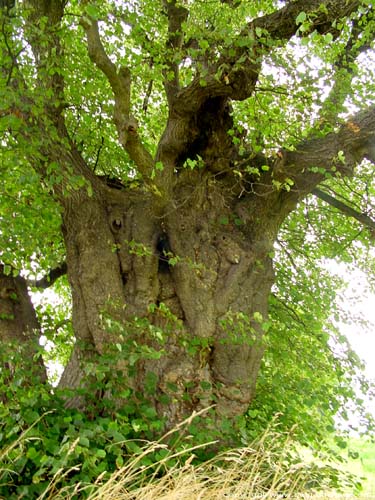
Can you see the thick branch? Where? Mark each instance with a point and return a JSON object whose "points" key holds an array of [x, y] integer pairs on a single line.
{"points": [[120, 82], [240, 69], [56, 147], [46, 45], [334, 202], [338, 152], [281, 25]]}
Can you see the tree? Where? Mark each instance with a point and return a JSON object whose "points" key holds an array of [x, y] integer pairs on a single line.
{"points": [[167, 149]]}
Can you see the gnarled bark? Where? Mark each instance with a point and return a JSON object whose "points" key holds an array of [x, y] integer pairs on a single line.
{"points": [[217, 287]]}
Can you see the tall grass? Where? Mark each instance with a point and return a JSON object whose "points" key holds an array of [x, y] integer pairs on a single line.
{"points": [[268, 469], [246, 473]]}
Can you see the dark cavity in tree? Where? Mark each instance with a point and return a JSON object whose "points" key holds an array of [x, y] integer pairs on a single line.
{"points": [[164, 252]]}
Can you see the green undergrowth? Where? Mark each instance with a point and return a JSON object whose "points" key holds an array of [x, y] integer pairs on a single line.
{"points": [[68, 457], [51, 451]]}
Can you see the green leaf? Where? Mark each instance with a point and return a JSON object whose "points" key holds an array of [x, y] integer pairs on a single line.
{"points": [[83, 441], [204, 44], [92, 11], [301, 18], [328, 38], [258, 317], [32, 453]]}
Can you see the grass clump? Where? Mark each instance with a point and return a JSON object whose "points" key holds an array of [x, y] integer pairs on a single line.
{"points": [[270, 468]]}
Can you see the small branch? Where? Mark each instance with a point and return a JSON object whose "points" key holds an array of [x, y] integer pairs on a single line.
{"points": [[232, 3], [7, 5], [147, 96], [290, 311], [120, 82], [289, 255], [5, 24], [51, 277], [334, 202], [98, 154]]}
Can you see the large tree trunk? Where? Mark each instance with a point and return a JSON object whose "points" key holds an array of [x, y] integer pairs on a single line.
{"points": [[203, 249], [205, 257]]}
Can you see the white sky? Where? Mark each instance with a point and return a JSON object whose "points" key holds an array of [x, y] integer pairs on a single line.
{"points": [[359, 300]]}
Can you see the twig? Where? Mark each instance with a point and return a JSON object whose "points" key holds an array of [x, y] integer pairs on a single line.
{"points": [[98, 154]]}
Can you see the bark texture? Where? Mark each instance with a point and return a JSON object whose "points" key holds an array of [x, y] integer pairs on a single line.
{"points": [[222, 276]]}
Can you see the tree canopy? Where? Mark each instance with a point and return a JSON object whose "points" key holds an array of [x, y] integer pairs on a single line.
{"points": [[191, 166]]}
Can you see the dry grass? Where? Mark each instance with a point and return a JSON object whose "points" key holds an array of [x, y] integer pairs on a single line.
{"points": [[240, 479], [258, 472], [332, 495], [238, 474]]}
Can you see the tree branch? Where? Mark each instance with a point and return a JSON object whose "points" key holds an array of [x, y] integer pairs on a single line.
{"points": [[51, 277], [239, 68], [344, 72], [289, 310], [44, 38], [337, 152], [147, 96], [120, 82], [45, 41], [334, 202]]}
